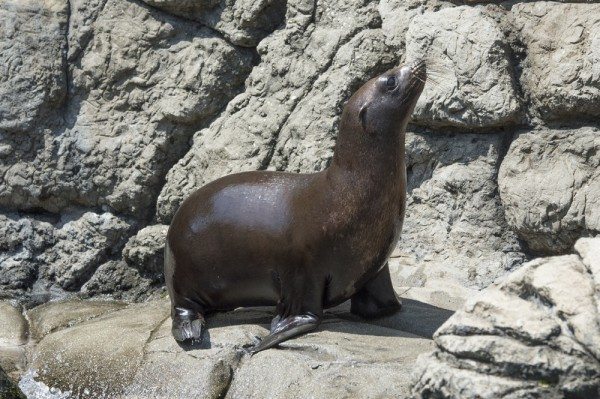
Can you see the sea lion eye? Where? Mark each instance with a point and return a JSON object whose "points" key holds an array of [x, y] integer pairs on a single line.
{"points": [[391, 82]]}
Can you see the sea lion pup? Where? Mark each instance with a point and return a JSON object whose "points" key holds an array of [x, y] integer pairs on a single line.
{"points": [[302, 242]]}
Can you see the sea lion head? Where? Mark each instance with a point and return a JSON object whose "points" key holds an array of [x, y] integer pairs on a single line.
{"points": [[384, 104]]}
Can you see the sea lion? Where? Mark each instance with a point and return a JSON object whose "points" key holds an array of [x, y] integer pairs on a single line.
{"points": [[302, 242]]}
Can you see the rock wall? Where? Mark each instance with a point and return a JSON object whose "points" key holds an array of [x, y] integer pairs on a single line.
{"points": [[112, 112]]}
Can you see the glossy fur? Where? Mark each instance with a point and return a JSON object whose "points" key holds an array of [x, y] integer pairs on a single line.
{"points": [[301, 242]]}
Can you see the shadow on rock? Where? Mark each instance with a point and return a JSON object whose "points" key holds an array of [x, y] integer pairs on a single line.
{"points": [[415, 319]]}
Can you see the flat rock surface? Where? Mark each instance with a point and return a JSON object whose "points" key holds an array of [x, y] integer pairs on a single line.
{"points": [[104, 349]]}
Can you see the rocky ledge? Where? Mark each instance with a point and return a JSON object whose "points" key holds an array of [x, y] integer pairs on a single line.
{"points": [[535, 334], [110, 349]]}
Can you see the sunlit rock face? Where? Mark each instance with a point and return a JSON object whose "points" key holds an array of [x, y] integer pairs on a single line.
{"points": [[550, 187], [470, 68], [562, 48]]}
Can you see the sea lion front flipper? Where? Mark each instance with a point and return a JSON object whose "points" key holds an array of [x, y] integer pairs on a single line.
{"points": [[377, 298], [283, 329], [187, 325]]}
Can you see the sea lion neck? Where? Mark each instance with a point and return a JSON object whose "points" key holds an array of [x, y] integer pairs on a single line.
{"points": [[366, 153]]}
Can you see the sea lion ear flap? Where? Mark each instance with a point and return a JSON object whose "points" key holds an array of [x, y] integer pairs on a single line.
{"points": [[362, 116]]}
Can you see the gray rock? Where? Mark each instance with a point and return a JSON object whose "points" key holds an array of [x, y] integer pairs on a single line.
{"points": [[83, 244], [305, 141], [41, 255], [293, 59], [343, 359], [242, 22], [145, 251], [134, 101], [22, 239], [455, 239], [562, 48], [550, 184], [32, 66], [536, 334], [469, 67], [118, 280], [83, 14], [13, 338]]}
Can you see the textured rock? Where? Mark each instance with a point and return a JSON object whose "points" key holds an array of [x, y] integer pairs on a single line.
{"points": [[242, 22], [134, 101], [536, 334], [470, 67], [120, 281], [550, 187], [43, 255], [454, 238], [32, 67], [295, 60], [562, 46], [13, 337], [145, 251], [342, 358], [21, 240], [81, 246]]}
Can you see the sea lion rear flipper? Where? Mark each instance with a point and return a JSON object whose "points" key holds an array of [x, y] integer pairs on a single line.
{"points": [[283, 329], [377, 298]]}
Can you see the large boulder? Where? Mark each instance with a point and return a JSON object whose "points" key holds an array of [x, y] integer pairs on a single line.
{"points": [[550, 187], [562, 50], [81, 245], [469, 67], [22, 239], [58, 315], [116, 279], [42, 257], [145, 251], [534, 335]]}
